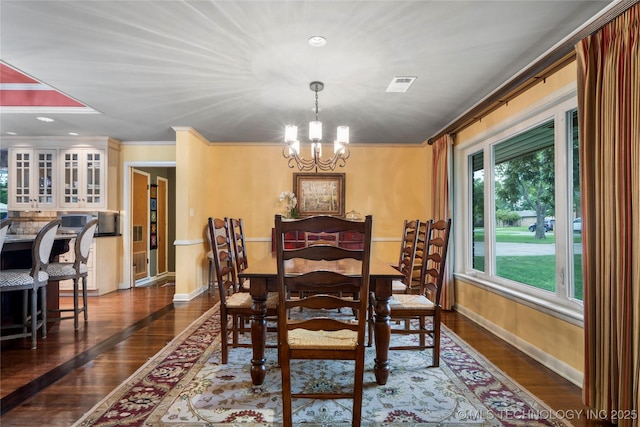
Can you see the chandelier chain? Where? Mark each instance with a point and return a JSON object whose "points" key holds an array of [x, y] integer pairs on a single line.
{"points": [[316, 103]]}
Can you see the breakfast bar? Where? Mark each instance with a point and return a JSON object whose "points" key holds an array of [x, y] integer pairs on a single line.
{"points": [[16, 254]]}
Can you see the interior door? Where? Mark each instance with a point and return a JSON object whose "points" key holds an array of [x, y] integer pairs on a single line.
{"points": [[162, 225], [140, 225]]}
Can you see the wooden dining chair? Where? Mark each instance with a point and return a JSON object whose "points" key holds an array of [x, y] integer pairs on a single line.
{"points": [[426, 304], [404, 266], [217, 242], [407, 258], [235, 306], [321, 272], [33, 283], [77, 271], [238, 242], [212, 269]]}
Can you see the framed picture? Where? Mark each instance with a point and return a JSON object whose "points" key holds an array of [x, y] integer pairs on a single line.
{"points": [[319, 193]]}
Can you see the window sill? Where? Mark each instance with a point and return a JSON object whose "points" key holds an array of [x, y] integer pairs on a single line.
{"points": [[566, 312]]}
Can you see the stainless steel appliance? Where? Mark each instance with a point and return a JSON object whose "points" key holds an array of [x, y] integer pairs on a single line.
{"points": [[108, 222], [73, 223]]}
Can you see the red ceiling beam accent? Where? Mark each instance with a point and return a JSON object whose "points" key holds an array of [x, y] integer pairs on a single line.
{"points": [[20, 90]]}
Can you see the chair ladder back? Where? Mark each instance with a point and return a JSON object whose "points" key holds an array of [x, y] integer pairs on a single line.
{"points": [[236, 229], [408, 250], [433, 268], [223, 258], [309, 274], [419, 252]]}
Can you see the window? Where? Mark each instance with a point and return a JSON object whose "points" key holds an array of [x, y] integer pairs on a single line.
{"points": [[477, 191], [523, 173], [522, 206], [576, 206]]}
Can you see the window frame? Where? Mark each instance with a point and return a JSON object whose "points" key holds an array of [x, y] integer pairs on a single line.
{"points": [[556, 107]]}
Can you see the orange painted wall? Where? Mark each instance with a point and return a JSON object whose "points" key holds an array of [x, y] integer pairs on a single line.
{"points": [[244, 180]]}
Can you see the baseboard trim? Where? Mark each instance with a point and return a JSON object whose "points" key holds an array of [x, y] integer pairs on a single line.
{"points": [[191, 295], [559, 367]]}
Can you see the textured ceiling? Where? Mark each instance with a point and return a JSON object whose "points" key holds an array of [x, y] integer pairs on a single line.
{"points": [[238, 71]]}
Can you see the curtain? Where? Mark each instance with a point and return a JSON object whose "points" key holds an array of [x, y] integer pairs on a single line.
{"points": [[609, 119], [441, 205]]}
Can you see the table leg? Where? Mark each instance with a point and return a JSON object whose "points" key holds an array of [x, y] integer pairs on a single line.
{"points": [[382, 333], [258, 329]]}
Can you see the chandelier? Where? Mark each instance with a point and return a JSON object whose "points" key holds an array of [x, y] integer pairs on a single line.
{"points": [[291, 150]]}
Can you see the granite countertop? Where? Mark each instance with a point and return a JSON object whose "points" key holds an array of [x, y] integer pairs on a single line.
{"points": [[30, 237]]}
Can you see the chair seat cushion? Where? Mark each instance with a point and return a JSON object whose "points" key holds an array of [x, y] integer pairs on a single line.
{"points": [[20, 277], [243, 300], [409, 302], [305, 339], [398, 286], [64, 269]]}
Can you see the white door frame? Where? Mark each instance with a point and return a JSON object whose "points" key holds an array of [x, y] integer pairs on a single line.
{"points": [[166, 226], [125, 216]]}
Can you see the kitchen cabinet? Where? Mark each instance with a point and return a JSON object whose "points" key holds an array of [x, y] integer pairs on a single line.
{"points": [[60, 173], [104, 264], [33, 178], [82, 178]]}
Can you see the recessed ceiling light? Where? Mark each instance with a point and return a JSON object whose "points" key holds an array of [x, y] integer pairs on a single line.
{"points": [[11, 133], [317, 41], [45, 119], [73, 133]]}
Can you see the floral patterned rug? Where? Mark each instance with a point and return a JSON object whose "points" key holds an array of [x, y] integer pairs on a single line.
{"points": [[186, 385]]}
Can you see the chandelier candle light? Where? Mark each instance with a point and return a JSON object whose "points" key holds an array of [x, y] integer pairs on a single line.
{"points": [[292, 145]]}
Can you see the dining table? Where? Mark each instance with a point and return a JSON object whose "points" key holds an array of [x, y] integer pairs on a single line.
{"points": [[263, 278]]}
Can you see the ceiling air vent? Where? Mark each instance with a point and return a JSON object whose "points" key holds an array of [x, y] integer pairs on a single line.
{"points": [[401, 83]]}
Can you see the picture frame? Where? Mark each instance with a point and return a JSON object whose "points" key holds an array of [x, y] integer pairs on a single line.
{"points": [[320, 193]]}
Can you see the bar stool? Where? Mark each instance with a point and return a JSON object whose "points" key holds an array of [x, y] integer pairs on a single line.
{"points": [[4, 228], [31, 282], [77, 271]]}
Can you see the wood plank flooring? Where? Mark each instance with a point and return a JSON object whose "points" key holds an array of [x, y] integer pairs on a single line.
{"points": [[71, 371]]}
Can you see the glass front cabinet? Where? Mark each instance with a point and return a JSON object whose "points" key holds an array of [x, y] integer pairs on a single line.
{"points": [[33, 178], [62, 174], [83, 178]]}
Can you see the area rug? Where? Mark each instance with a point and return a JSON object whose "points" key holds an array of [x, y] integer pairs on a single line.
{"points": [[186, 385]]}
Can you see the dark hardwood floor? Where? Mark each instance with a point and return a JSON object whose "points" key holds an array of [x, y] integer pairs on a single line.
{"points": [[71, 371]]}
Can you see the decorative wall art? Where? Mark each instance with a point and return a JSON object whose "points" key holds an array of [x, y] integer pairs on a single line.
{"points": [[320, 194], [153, 226]]}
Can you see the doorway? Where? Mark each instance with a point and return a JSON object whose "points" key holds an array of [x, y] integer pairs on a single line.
{"points": [[163, 188], [160, 257], [140, 225]]}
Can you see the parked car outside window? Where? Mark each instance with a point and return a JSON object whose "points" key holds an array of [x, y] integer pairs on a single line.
{"points": [[548, 225], [577, 225]]}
